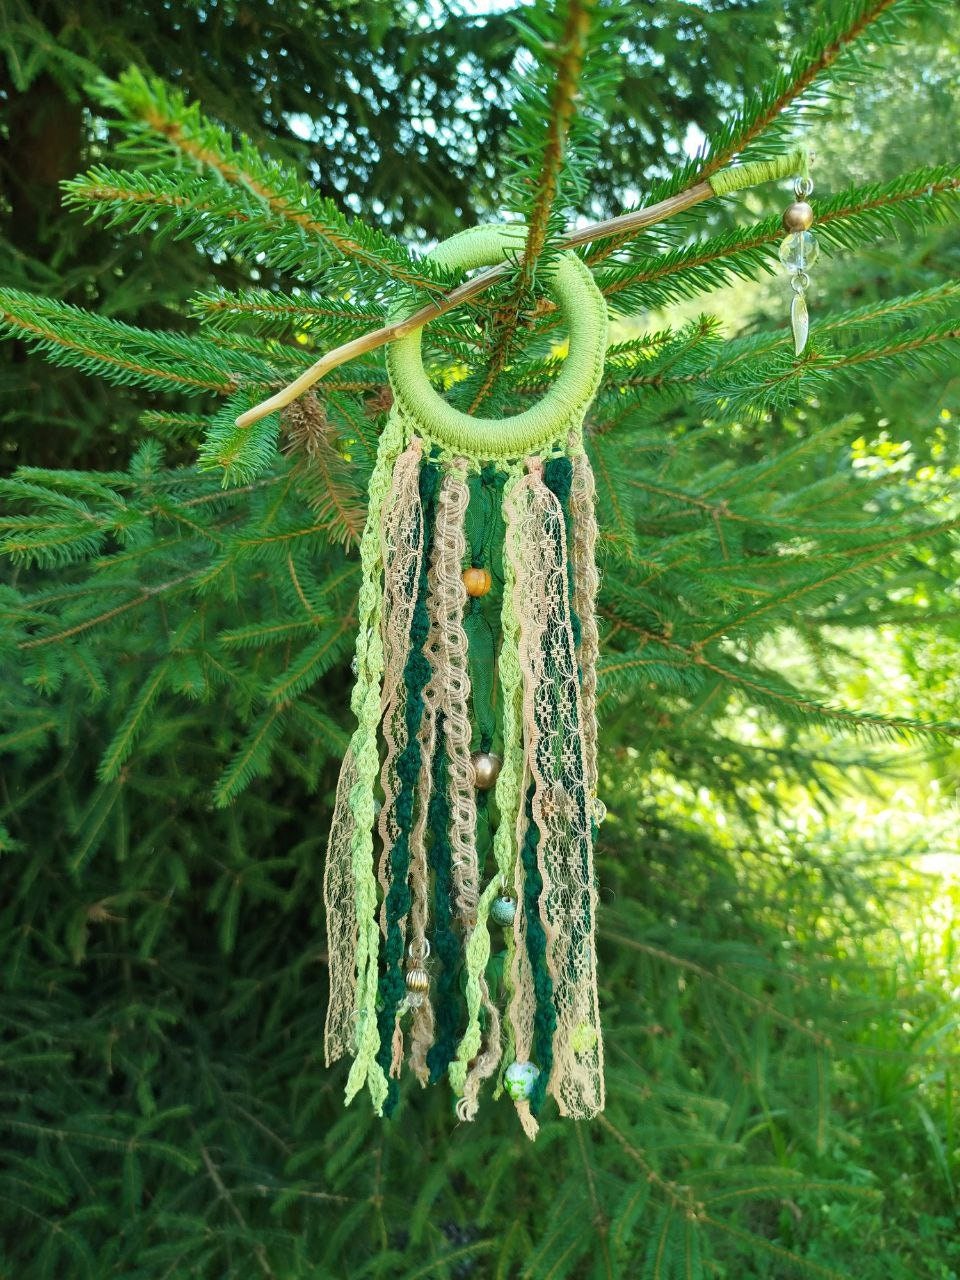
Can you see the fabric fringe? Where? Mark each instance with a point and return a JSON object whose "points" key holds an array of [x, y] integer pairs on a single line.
{"points": [[411, 615], [560, 805], [586, 584], [341, 915], [416, 676], [402, 554], [448, 598], [451, 658], [363, 757], [422, 1022]]}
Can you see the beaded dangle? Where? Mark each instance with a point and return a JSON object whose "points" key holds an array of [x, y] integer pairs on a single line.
{"points": [[459, 881], [798, 251]]}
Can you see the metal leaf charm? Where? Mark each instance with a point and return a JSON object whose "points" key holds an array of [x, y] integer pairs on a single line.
{"points": [[800, 321]]}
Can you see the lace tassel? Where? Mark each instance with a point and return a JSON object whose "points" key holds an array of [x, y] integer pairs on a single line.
{"points": [[562, 807], [402, 553], [586, 583], [350, 865], [416, 676]]}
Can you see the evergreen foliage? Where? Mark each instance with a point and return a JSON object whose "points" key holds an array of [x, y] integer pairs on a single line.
{"points": [[175, 638]]}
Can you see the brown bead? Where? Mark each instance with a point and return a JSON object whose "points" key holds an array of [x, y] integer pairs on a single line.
{"points": [[798, 216], [477, 581]]}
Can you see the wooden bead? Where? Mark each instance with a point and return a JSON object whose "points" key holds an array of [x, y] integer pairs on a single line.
{"points": [[486, 769], [798, 216], [477, 581]]}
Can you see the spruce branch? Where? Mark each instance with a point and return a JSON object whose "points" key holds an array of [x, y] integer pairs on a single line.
{"points": [[829, 42], [738, 179], [566, 68], [123, 354], [163, 126], [846, 220], [773, 381], [761, 127]]}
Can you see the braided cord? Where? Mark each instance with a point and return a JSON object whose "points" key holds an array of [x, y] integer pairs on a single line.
{"points": [[365, 703]]}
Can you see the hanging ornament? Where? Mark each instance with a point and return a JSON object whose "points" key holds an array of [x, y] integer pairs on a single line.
{"points": [[475, 699], [798, 251], [504, 910]]}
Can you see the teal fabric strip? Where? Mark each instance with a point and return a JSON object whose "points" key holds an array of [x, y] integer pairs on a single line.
{"points": [[446, 946], [545, 1016]]}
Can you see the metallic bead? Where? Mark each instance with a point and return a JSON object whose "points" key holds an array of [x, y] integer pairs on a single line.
{"points": [[519, 1079], [486, 769], [418, 981], [503, 910], [477, 581], [798, 216]]}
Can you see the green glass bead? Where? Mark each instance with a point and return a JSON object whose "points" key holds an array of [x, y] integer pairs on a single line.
{"points": [[799, 250], [519, 1079]]}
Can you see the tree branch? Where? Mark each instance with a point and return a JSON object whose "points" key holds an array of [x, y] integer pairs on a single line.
{"points": [[736, 179]]}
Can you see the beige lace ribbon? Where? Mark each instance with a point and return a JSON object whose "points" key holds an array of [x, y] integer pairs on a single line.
{"points": [[586, 583], [556, 757], [402, 548], [450, 657], [341, 907]]}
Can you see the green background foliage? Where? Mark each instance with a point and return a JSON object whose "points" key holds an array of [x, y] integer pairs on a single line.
{"points": [[779, 621]]}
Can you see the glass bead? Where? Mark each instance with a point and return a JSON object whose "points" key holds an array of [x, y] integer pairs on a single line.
{"points": [[519, 1079], [799, 250], [503, 911]]}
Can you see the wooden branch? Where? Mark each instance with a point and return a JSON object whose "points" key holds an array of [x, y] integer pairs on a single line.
{"points": [[623, 223]]}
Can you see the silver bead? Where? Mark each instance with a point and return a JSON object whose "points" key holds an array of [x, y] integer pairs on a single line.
{"points": [[798, 217], [418, 981], [486, 769], [503, 910]]}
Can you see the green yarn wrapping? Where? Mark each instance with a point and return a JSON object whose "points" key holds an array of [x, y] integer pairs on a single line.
{"points": [[545, 1016], [481, 619], [739, 176], [416, 673], [446, 946]]}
